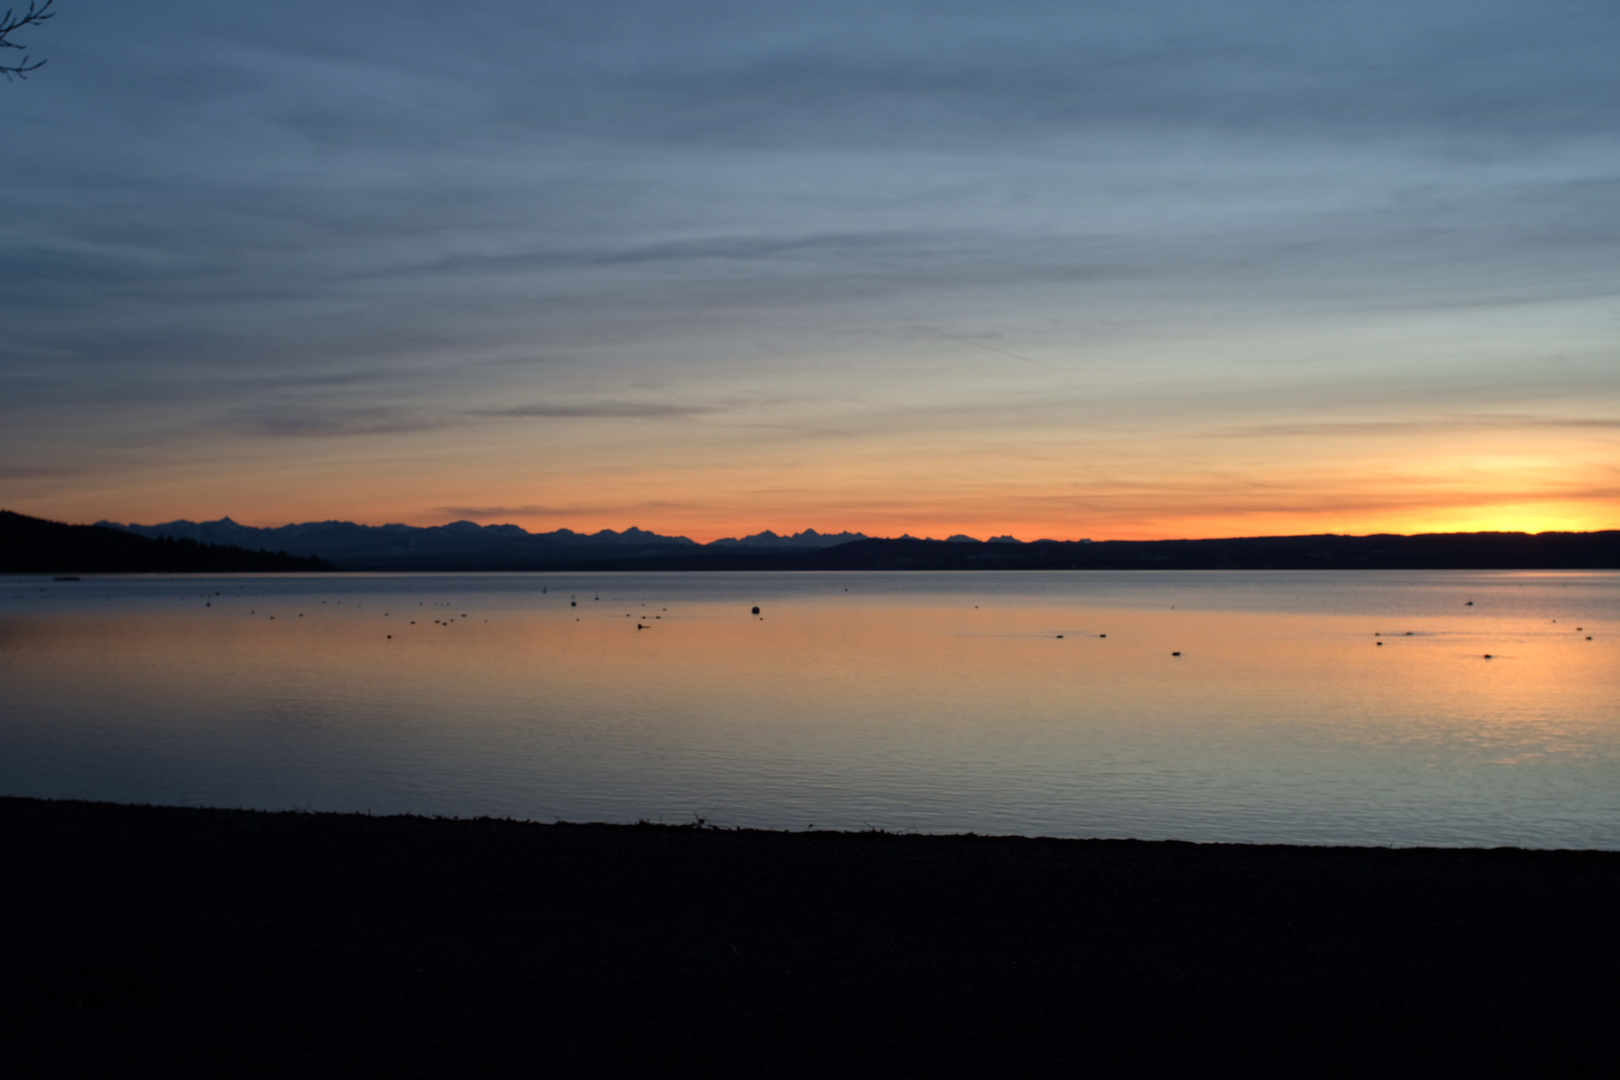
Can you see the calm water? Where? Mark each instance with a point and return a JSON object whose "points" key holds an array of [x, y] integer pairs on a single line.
{"points": [[937, 702]]}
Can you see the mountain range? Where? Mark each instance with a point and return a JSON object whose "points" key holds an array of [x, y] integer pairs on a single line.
{"points": [[32, 545], [466, 545]]}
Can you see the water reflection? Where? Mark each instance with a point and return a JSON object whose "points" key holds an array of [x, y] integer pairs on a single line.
{"points": [[1301, 707]]}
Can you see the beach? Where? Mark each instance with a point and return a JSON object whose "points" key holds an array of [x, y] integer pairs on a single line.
{"points": [[232, 942]]}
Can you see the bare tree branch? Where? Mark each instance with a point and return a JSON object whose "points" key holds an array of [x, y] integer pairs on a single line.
{"points": [[36, 14]]}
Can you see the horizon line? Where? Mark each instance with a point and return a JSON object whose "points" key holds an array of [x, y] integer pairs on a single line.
{"points": [[957, 537]]}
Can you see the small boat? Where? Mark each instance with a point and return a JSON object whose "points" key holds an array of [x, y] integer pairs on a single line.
{"points": [[67, 577]]}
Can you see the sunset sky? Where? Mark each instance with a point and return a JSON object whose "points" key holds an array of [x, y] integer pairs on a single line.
{"points": [[1048, 269]]}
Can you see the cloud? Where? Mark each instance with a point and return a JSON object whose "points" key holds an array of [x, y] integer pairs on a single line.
{"points": [[1359, 429], [291, 421], [629, 410], [955, 74], [476, 513], [319, 420], [542, 510]]}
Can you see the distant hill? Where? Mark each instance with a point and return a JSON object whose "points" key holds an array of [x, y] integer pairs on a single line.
{"points": [[30, 545], [460, 545], [809, 539], [465, 545], [1432, 551]]}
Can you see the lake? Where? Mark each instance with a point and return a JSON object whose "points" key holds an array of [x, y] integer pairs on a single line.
{"points": [[1298, 707]]}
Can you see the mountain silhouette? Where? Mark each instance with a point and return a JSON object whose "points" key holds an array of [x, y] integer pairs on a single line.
{"points": [[30, 545], [466, 545]]}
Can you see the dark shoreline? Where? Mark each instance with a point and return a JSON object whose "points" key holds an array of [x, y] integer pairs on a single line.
{"points": [[35, 546], [229, 942]]}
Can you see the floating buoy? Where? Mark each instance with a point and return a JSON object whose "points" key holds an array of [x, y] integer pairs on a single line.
{"points": [[1487, 656], [756, 609]]}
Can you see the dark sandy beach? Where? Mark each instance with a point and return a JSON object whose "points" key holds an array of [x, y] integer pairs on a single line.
{"points": [[217, 942]]}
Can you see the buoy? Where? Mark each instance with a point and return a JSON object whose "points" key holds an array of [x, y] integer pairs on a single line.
{"points": [[1487, 656], [756, 610]]}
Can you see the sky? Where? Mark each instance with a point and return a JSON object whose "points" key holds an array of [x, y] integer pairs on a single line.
{"points": [[1062, 270]]}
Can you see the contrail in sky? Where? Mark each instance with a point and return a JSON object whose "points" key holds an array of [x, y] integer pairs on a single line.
{"points": [[982, 345]]}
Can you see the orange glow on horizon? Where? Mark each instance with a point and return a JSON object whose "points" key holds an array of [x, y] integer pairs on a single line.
{"points": [[1027, 515], [1049, 480], [1561, 518]]}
